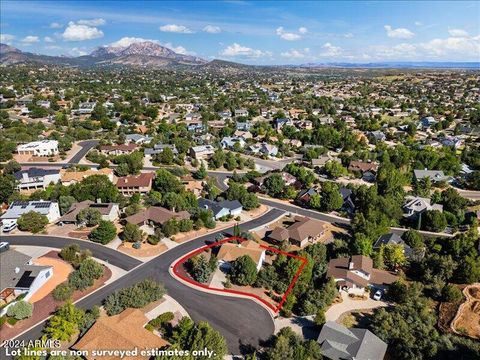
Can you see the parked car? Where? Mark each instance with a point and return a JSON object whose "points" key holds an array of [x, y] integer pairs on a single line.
{"points": [[9, 226], [378, 295]]}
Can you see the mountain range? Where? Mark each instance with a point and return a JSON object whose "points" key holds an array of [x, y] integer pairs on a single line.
{"points": [[153, 55]]}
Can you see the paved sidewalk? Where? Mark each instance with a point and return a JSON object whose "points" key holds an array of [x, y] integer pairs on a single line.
{"points": [[348, 304], [170, 304]]}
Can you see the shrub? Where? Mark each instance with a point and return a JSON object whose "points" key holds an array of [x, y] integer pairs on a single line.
{"points": [[32, 221], [185, 225], [63, 292], [136, 296], [153, 240], [451, 293], [104, 233], [12, 321], [132, 233], [243, 271], [3, 320], [20, 310], [85, 275]]}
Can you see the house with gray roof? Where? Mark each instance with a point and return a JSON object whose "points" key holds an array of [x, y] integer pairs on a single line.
{"points": [[393, 239], [138, 139], [415, 205], [340, 343], [36, 178], [18, 208], [158, 149], [18, 275], [221, 208], [434, 175]]}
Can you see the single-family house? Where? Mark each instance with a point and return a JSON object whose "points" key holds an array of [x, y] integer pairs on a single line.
{"points": [[340, 343], [303, 197], [202, 152], [18, 208], [230, 252], [36, 178], [348, 204], [303, 231], [196, 127], [156, 216], [221, 208], [434, 175], [241, 112], [39, 148], [416, 205], [393, 239], [264, 149], [158, 149], [193, 116], [68, 177], [109, 211], [116, 150], [356, 273], [85, 108], [363, 167], [426, 122], [230, 142], [244, 126], [124, 331], [138, 139], [135, 184], [20, 276]]}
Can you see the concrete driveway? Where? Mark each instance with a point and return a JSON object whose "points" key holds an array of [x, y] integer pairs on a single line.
{"points": [[348, 304]]}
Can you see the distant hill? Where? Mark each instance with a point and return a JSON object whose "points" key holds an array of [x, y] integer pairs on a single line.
{"points": [[153, 55]]}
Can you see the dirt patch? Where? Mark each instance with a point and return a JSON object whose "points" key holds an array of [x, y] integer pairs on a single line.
{"points": [[146, 250], [47, 305], [446, 313], [61, 270], [467, 320]]}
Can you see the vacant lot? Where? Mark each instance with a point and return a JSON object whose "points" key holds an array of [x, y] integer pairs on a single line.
{"points": [[467, 320]]}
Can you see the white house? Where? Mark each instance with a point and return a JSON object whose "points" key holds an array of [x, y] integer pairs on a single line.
{"points": [[230, 252], [36, 178], [18, 208], [19, 276], [39, 148]]}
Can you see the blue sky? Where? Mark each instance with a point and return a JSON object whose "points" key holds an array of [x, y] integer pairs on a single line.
{"points": [[270, 32]]}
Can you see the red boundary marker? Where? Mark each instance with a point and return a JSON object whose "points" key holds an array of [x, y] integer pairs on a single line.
{"points": [[275, 309]]}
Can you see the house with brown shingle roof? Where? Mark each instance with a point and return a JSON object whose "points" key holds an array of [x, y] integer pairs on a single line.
{"points": [[231, 251], [124, 331], [354, 274], [300, 233], [135, 184], [118, 149], [72, 177], [155, 216], [109, 211], [362, 167]]}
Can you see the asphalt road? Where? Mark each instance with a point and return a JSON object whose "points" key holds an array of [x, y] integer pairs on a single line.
{"points": [[241, 321], [101, 252], [86, 146]]}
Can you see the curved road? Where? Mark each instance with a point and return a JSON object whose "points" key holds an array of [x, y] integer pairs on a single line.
{"points": [[241, 321]]}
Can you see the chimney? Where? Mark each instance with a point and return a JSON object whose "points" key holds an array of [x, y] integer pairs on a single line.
{"points": [[17, 270], [25, 175], [350, 265], [99, 201]]}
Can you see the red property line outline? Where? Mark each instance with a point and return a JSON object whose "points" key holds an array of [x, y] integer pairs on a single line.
{"points": [[275, 309]]}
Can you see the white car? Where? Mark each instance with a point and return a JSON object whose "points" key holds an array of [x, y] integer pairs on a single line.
{"points": [[378, 295], [9, 226]]}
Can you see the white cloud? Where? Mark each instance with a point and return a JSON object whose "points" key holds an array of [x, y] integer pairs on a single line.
{"points": [[302, 30], [6, 38], [348, 35], [290, 36], [458, 33], [400, 33], [30, 39], [212, 29], [78, 51], [178, 49], [330, 50], [79, 32], [243, 51], [56, 25], [176, 29], [418, 23], [92, 22], [127, 41], [296, 54], [48, 39]]}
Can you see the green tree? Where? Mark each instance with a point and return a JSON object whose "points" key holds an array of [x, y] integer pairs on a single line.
{"points": [[95, 187], [32, 221], [199, 268], [451, 293], [64, 324], [274, 185], [201, 173], [288, 345], [89, 216], [315, 201], [65, 203], [20, 310], [335, 169], [394, 255], [132, 233], [331, 199], [104, 232], [434, 220], [7, 187], [243, 271], [63, 291], [166, 182]]}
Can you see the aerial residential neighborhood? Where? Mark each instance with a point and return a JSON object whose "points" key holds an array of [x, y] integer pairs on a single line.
{"points": [[240, 180]]}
